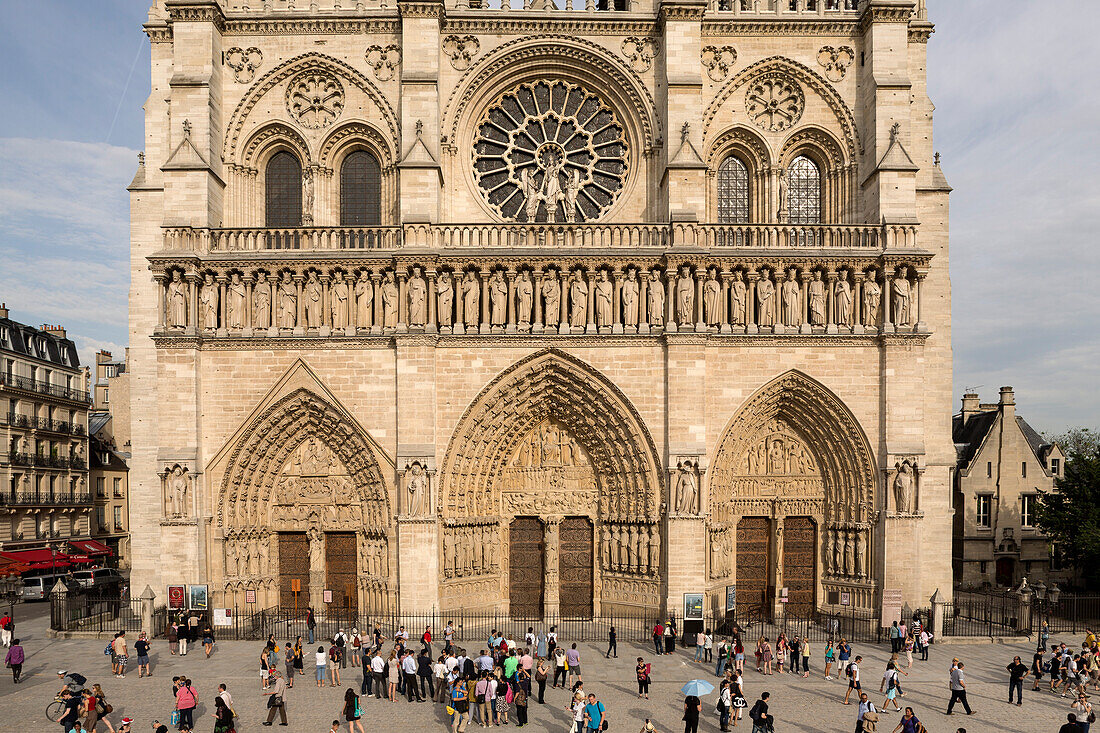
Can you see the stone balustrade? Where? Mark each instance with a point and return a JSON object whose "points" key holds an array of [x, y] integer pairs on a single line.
{"points": [[471, 237], [786, 8]]}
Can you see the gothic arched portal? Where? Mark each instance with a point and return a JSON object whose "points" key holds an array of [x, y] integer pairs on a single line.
{"points": [[551, 442]]}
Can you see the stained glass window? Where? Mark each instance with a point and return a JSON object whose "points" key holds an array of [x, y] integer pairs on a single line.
{"points": [[733, 191], [360, 190], [283, 189], [804, 202]]}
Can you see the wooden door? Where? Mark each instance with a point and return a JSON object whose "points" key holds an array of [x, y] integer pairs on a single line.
{"points": [[293, 565], [340, 568], [525, 570], [800, 564], [1006, 575], [575, 567], [753, 546]]}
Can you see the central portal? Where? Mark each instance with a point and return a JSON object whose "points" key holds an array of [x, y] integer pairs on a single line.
{"points": [[526, 568]]}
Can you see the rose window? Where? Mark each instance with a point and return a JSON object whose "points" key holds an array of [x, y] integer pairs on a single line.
{"points": [[550, 152], [774, 103], [315, 99]]}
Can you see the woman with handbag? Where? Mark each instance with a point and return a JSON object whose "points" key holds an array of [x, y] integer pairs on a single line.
{"points": [[14, 659], [223, 716], [542, 671], [737, 696], [352, 712], [642, 672], [186, 700], [99, 708], [909, 723], [725, 704]]}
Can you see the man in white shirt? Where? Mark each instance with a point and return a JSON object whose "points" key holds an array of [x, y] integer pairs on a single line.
{"points": [[224, 695], [378, 672], [853, 679], [865, 707], [484, 662], [449, 636], [408, 668]]}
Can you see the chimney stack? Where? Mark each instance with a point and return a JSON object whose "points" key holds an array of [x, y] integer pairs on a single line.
{"points": [[3, 310], [54, 329], [971, 406], [1007, 402]]}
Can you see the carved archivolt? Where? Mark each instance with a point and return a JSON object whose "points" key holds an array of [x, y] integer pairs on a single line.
{"points": [[303, 463], [277, 134], [559, 401], [816, 141], [306, 64], [795, 73], [359, 132]]}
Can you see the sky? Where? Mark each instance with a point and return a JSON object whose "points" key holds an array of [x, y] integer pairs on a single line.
{"points": [[1017, 106]]}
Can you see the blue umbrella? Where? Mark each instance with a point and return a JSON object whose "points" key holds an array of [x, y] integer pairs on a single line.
{"points": [[697, 688]]}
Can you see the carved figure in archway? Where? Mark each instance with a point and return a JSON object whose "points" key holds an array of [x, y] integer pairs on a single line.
{"points": [[177, 490], [903, 489], [340, 296], [578, 297], [418, 299], [605, 291], [687, 489], [364, 301], [792, 300], [765, 300], [901, 292], [712, 299], [525, 298], [471, 295], [872, 293], [235, 298], [417, 487], [390, 297], [739, 297], [498, 299], [177, 301], [314, 295], [208, 303], [261, 303], [817, 300], [843, 300], [444, 298], [288, 302], [656, 300], [630, 298], [551, 297], [685, 297]]}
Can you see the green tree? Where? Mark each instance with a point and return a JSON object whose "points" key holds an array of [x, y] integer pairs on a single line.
{"points": [[1070, 515]]}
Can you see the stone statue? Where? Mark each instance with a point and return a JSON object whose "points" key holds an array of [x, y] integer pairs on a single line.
{"points": [[687, 492], [471, 294], [843, 299], [316, 548], [685, 297], [605, 293], [498, 299], [792, 300], [901, 293], [288, 302], [849, 554], [830, 567], [872, 292], [817, 300], [307, 197], [417, 485], [208, 303], [418, 299], [177, 301], [530, 193], [261, 303], [551, 298], [654, 550], [449, 553], [784, 184], [364, 300], [572, 190], [340, 305], [656, 300], [444, 298], [315, 300], [525, 299], [551, 187], [578, 300], [861, 554], [235, 297], [629, 294], [903, 489], [177, 491], [765, 300], [712, 299], [552, 556], [605, 546], [389, 301], [739, 295]]}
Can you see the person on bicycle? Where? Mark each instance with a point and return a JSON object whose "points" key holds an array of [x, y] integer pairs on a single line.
{"points": [[72, 681]]}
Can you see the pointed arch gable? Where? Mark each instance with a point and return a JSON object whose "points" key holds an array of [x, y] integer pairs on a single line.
{"points": [[804, 74], [827, 427], [289, 68], [551, 384]]}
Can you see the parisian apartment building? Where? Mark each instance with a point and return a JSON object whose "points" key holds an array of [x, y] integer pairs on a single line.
{"points": [[109, 427]]}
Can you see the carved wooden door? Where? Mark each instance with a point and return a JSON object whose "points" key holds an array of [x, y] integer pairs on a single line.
{"points": [[525, 552], [340, 568], [293, 565], [800, 563], [575, 567], [753, 545]]}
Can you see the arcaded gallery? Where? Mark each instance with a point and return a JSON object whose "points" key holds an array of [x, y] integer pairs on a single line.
{"points": [[555, 308]]}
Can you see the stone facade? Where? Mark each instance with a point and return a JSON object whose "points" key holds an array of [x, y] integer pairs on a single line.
{"points": [[578, 359], [44, 401], [1003, 464]]}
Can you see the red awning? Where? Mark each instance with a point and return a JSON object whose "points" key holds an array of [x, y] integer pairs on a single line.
{"points": [[89, 548], [11, 567], [38, 559]]}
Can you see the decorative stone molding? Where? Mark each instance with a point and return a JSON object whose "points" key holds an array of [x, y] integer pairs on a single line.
{"points": [[774, 102], [718, 61], [384, 60], [312, 26], [640, 52], [835, 61], [315, 99], [244, 62], [461, 50], [595, 24]]}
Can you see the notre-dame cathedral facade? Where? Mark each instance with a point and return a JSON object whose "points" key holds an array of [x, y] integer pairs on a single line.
{"points": [[562, 307]]}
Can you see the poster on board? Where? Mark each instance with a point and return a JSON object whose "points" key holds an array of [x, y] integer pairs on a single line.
{"points": [[693, 606], [198, 597], [177, 597]]}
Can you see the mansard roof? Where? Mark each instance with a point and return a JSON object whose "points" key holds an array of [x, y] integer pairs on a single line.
{"points": [[36, 343]]}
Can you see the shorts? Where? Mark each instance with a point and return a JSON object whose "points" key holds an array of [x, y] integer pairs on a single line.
{"points": [[574, 669], [321, 673], [854, 685], [891, 693], [122, 658], [207, 640], [739, 657], [264, 673], [143, 661]]}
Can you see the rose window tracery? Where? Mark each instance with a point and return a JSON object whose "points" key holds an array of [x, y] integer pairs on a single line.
{"points": [[550, 151], [774, 103], [315, 99]]}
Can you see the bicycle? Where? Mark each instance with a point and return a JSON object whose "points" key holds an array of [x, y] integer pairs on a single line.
{"points": [[55, 709]]}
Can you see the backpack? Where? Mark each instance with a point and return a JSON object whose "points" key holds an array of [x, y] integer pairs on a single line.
{"points": [[849, 670], [754, 714], [107, 650]]}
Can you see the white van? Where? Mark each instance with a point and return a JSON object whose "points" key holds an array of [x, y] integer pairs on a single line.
{"points": [[38, 587]]}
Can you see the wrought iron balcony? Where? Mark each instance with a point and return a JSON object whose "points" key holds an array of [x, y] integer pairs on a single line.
{"points": [[40, 423], [42, 387], [43, 499]]}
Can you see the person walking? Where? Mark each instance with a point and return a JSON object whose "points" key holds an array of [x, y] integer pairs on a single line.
{"points": [[207, 639], [460, 703], [573, 660], [909, 723], [738, 654], [14, 659], [866, 713], [95, 708], [334, 655], [852, 671], [7, 629], [276, 701], [611, 646], [670, 637], [186, 700], [958, 689], [890, 680], [299, 657], [171, 635], [692, 707], [761, 721], [595, 715], [223, 717], [141, 648], [642, 671], [352, 712], [1017, 671], [658, 635], [311, 624]]}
